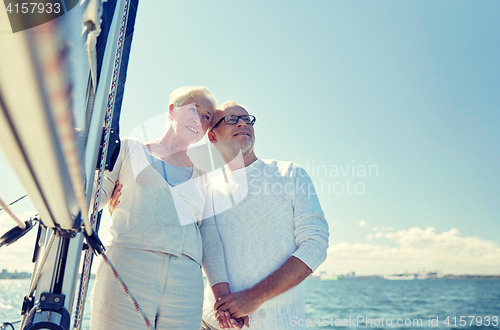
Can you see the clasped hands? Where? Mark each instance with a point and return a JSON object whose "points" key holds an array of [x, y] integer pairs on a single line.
{"points": [[233, 308]]}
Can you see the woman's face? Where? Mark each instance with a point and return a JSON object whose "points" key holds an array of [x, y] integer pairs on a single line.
{"points": [[192, 119]]}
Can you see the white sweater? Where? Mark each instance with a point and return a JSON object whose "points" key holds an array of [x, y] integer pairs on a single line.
{"points": [[277, 215]]}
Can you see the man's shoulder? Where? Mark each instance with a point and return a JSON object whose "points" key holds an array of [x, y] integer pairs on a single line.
{"points": [[282, 166]]}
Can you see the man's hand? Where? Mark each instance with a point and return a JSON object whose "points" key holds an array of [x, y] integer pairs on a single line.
{"points": [[113, 201], [227, 322], [223, 317], [240, 303]]}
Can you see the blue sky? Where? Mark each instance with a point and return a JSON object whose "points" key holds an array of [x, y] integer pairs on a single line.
{"points": [[407, 87]]}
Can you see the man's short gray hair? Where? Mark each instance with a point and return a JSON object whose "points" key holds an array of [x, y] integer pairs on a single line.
{"points": [[229, 104]]}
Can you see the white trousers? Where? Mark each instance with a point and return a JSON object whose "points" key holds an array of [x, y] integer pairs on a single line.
{"points": [[168, 289]]}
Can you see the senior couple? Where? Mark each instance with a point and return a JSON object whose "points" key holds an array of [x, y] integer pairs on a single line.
{"points": [[169, 218]]}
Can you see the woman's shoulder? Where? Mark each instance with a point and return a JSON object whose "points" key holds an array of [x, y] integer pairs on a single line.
{"points": [[130, 140], [131, 147], [130, 143]]}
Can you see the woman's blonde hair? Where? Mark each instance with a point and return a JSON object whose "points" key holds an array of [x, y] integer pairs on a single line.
{"points": [[181, 94]]}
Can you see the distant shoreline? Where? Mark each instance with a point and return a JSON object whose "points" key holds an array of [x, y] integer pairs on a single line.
{"points": [[4, 275], [381, 277]]}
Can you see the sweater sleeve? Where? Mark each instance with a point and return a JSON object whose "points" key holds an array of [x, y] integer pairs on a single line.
{"points": [[213, 251], [311, 227]]}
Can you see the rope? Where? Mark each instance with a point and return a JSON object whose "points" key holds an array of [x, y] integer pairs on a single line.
{"points": [[10, 324], [14, 202], [34, 283], [107, 128], [59, 91], [127, 292], [20, 224], [66, 132], [84, 284]]}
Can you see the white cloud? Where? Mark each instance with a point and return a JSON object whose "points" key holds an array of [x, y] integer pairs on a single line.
{"points": [[416, 249], [363, 223]]}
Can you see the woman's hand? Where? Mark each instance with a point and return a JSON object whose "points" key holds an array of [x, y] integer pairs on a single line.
{"points": [[113, 201], [240, 303], [226, 321]]}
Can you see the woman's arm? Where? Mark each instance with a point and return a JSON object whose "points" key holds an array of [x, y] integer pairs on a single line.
{"points": [[213, 250]]}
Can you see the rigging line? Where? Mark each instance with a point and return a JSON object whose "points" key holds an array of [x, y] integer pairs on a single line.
{"points": [[20, 224], [127, 292], [42, 263], [9, 324], [14, 202], [107, 129], [39, 243], [64, 121], [24, 154]]}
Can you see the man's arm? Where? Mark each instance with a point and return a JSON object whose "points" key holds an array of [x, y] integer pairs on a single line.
{"points": [[311, 239], [213, 260], [245, 302]]}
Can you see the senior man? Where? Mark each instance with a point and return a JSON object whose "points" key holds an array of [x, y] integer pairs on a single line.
{"points": [[274, 236]]}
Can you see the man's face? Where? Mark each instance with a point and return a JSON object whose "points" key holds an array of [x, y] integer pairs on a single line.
{"points": [[240, 134]]}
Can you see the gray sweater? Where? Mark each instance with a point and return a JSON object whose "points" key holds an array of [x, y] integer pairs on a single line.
{"points": [[154, 216], [277, 215]]}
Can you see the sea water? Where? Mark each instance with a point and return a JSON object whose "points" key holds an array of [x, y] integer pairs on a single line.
{"points": [[359, 304]]}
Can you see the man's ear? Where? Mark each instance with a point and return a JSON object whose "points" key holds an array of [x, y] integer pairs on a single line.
{"points": [[211, 137], [171, 109]]}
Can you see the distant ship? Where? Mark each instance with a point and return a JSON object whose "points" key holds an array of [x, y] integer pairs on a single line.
{"points": [[430, 275], [400, 277], [323, 276]]}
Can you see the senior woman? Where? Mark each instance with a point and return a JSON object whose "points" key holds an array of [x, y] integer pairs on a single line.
{"points": [[157, 229]]}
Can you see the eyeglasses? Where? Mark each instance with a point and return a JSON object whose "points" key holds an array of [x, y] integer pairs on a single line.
{"points": [[234, 119]]}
